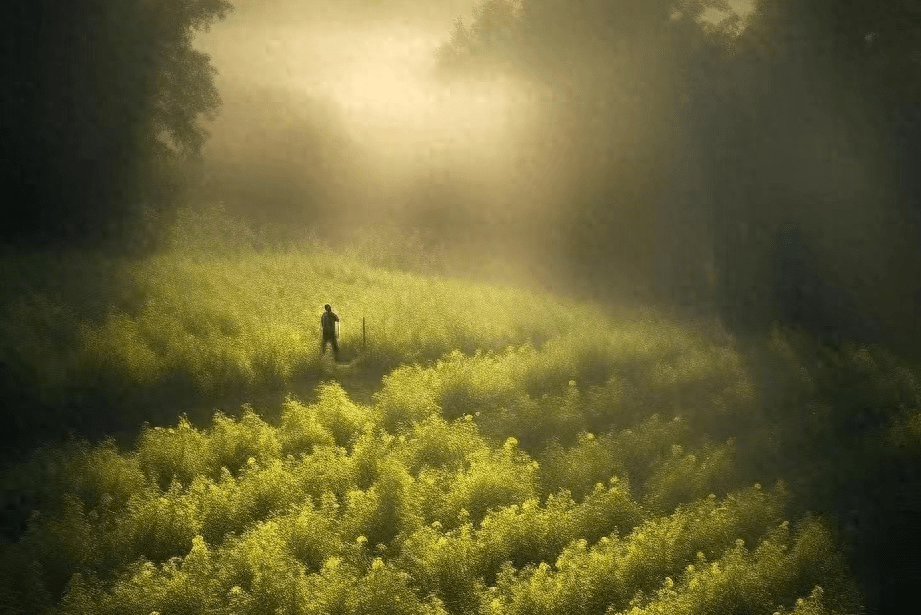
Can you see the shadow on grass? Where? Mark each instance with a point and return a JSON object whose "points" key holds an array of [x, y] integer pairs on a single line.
{"points": [[100, 410]]}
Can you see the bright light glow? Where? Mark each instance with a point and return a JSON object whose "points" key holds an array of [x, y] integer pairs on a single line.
{"points": [[742, 8], [381, 80], [396, 130]]}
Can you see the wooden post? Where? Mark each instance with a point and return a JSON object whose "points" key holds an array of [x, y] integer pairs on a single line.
{"points": [[363, 335]]}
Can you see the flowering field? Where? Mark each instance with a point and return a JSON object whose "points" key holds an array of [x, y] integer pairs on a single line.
{"points": [[519, 454]]}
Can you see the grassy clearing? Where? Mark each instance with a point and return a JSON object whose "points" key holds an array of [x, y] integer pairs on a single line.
{"points": [[250, 319], [519, 454], [188, 329]]}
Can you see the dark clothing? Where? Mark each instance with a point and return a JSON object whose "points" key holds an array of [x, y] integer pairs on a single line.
{"points": [[330, 338], [328, 323]]}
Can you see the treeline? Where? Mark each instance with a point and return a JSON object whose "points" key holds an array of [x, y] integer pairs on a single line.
{"points": [[100, 114], [758, 165]]}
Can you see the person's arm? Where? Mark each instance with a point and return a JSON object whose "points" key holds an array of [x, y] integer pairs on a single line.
{"points": [[337, 325]]}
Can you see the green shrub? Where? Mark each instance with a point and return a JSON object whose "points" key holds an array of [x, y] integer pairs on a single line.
{"points": [[759, 581], [640, 448], [101, 477], [158, 525], [257, 573], [585, 359], [481, 383], [610, 573], [592, 460], [301, 429], [118, 353], [503, 478], [23, 586], [180, 585], [686, 477], [311, 535], [457, 565], [56, 547], [436, 443], [98, 476], [606, 510], [534, 423], [407, 395], [327, 469], [234, 442], [525, 534], [811, 605], [331, 591], [371, 449], [447, 565], [633, 453], [176, 453], [339, 415], [387, 591], [268, 490], [389, 507], [217, 503]]}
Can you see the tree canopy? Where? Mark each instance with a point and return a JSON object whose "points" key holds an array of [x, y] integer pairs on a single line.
{"points": [[100, 111], [715, 157]]}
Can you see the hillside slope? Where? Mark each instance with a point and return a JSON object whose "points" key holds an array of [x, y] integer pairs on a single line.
{"points": [[518, 455]]}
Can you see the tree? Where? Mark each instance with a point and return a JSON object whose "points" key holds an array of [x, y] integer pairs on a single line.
{"points": [[820, 106], [100, 112], [617, 134], [694, 152]]}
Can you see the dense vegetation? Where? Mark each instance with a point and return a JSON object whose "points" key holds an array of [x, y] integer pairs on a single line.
{"points": [[85, 334], [100, 110], [519, 455], [492, 450], [701, 154]]}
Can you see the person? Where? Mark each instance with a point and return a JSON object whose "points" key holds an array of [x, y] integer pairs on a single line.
{"points": [[329, 322]]}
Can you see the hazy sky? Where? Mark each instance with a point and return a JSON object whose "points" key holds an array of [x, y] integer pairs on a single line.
{"points": [[346, 90], [320, 96], [371, 62]]}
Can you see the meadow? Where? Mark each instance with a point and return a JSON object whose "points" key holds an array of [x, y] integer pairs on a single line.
{"points": [[490, 451]]}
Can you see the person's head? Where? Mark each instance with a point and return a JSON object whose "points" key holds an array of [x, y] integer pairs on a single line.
{"points": [[327, 308]]}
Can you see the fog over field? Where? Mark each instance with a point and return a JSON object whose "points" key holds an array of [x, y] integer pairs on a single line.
{"points": [[580, 167], [620, 307], [361, 130]]}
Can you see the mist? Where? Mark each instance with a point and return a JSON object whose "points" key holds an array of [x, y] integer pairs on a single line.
{"points": [[750, 162], [648, 158], [610, 290], [338, 120]]}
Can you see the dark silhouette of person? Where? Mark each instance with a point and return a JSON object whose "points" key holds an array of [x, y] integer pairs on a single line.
{"points": [[328, 323]]}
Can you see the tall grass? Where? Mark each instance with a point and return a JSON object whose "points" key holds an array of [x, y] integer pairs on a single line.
{"points": [[520, 454], [240, 321], [329, 511]]}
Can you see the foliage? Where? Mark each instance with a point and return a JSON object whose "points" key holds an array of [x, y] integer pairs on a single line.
{"points": [[687, 125], [328, 511], [189, 324], [104, 108], [550, 471]]}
